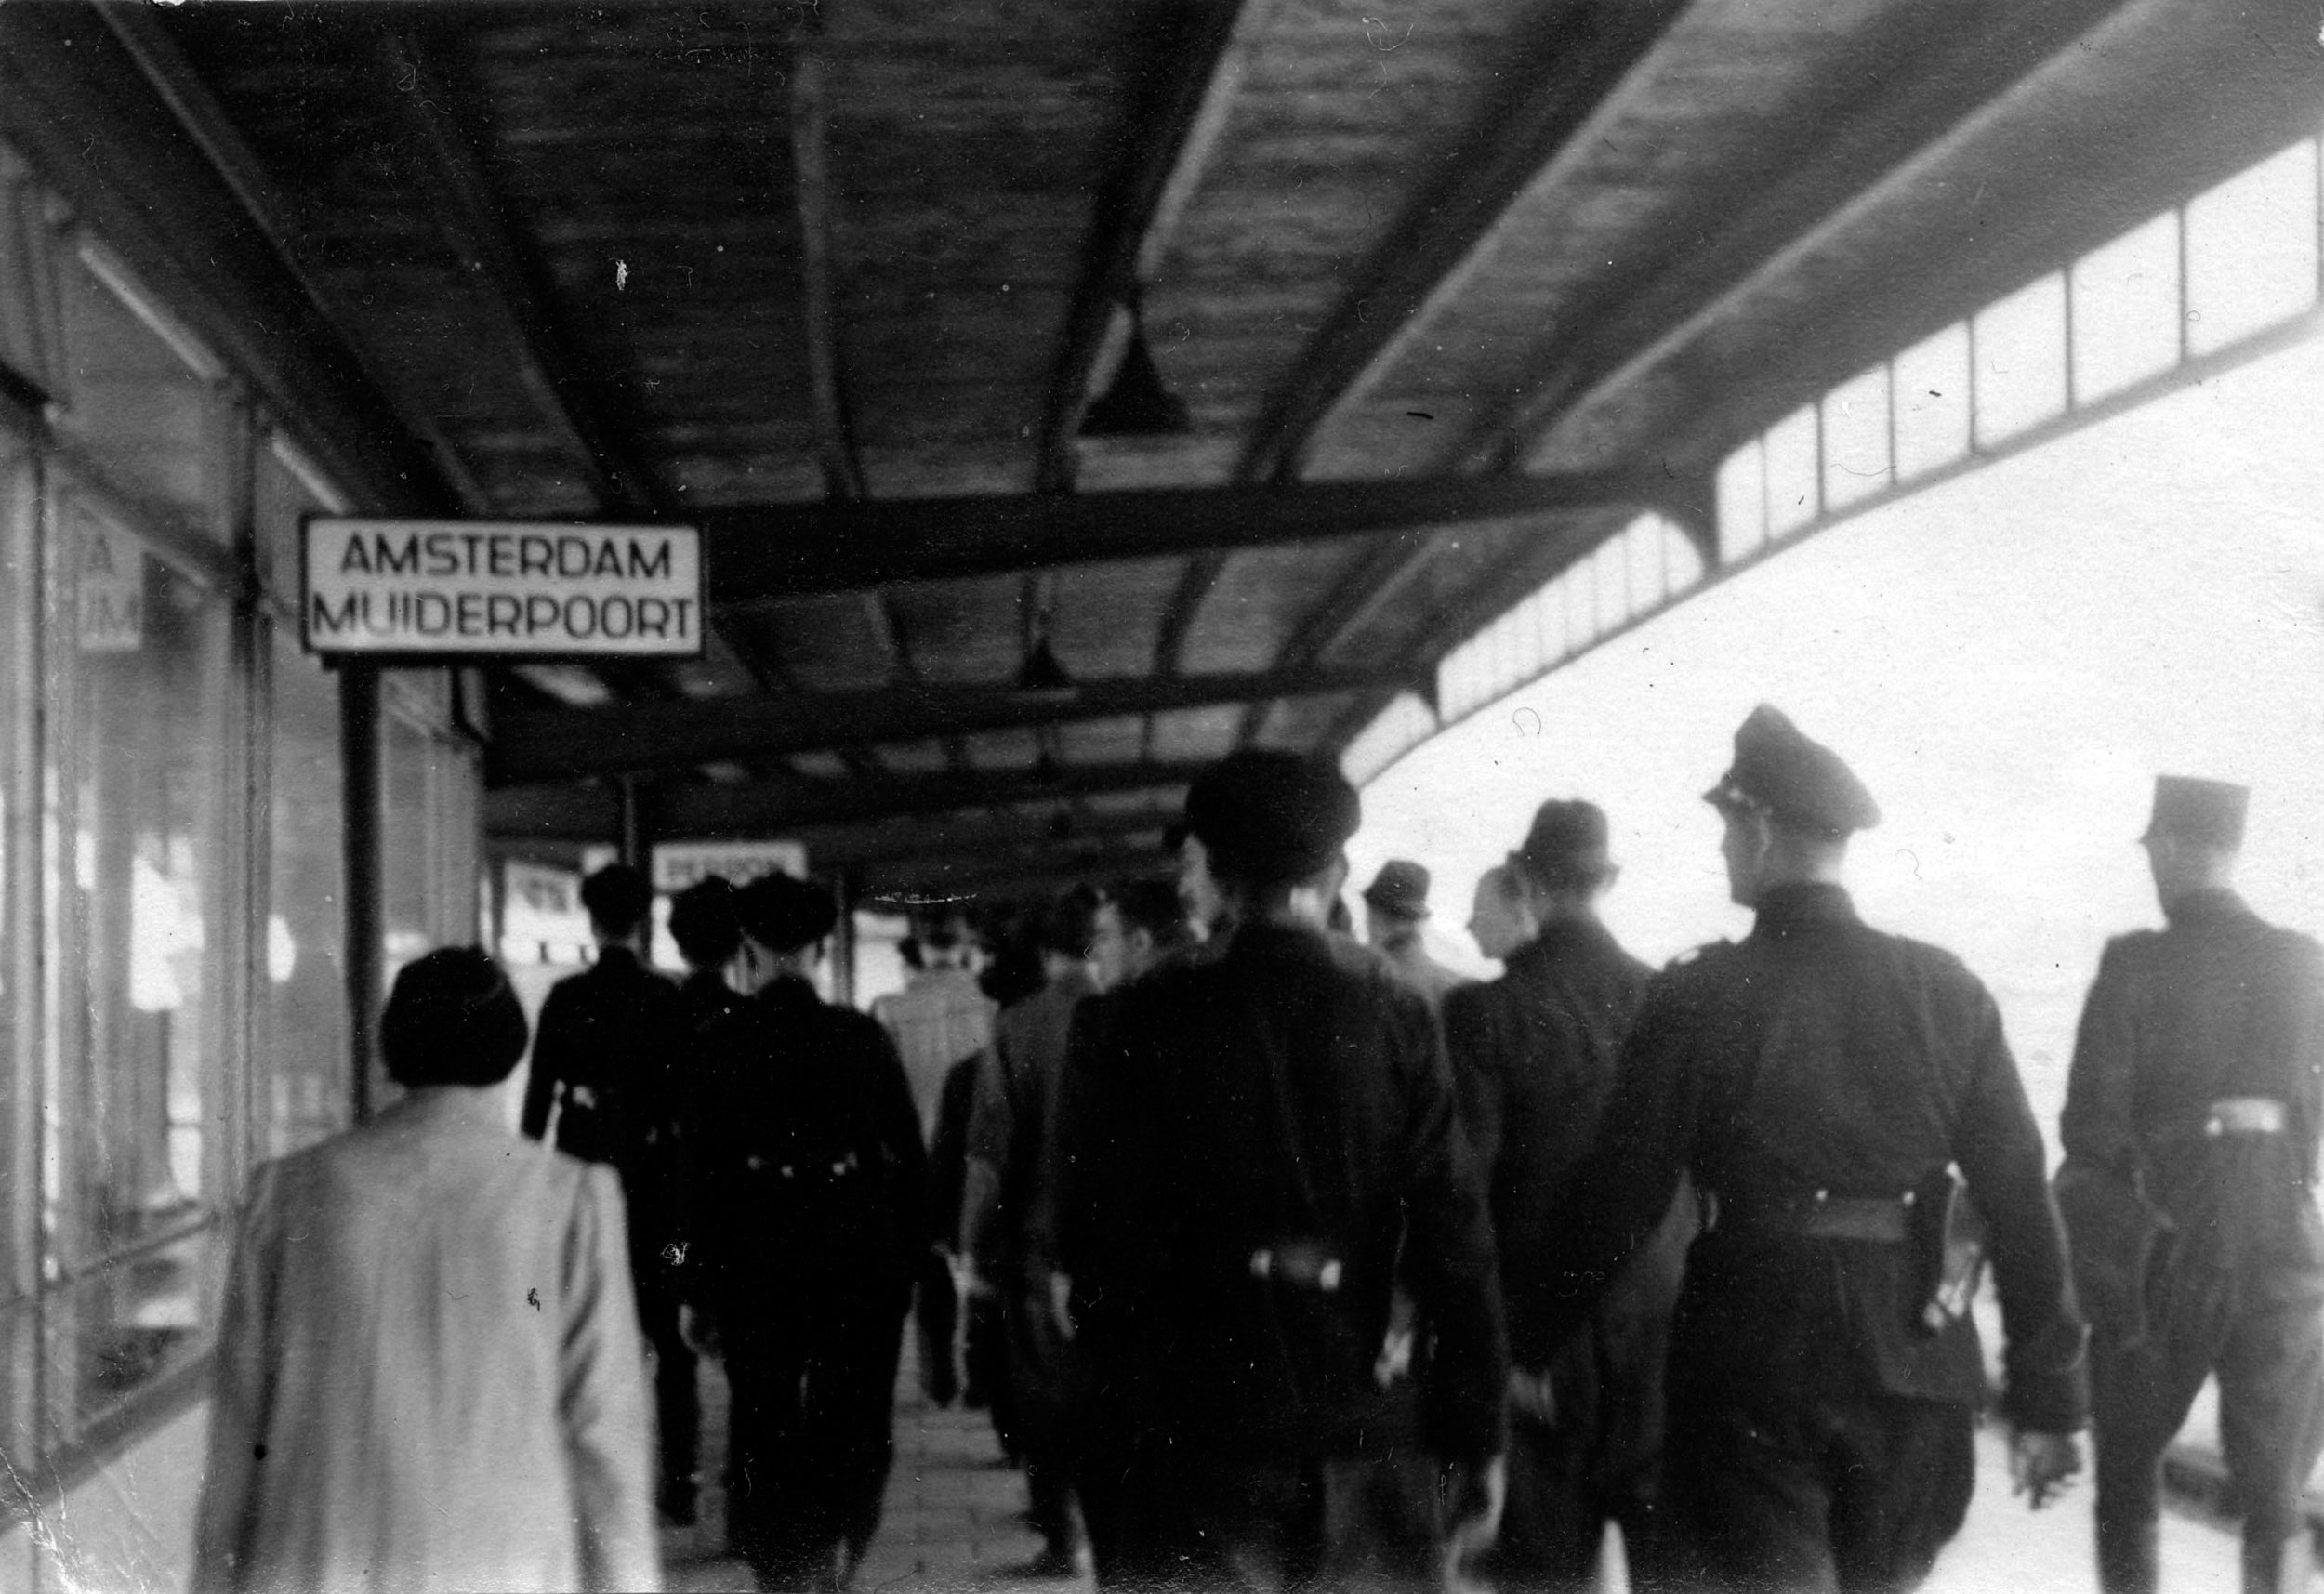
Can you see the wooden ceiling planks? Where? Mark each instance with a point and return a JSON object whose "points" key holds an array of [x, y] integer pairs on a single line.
{"points": [[1403, 252]]}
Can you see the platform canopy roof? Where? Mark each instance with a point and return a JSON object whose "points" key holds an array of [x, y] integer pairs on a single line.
{"points": [[1436, 297]]}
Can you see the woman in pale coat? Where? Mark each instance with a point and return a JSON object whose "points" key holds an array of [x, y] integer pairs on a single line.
{"points": [[429, 1374]]}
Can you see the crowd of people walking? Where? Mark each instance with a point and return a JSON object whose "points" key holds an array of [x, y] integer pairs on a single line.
{"points": [[1286, 1261]]}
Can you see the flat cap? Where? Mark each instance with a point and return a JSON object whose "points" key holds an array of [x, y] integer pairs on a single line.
{"points": [[1400, 888], [1565, 844], [1782, 772], [1271, 816], [2210, 813], [783, 913]]}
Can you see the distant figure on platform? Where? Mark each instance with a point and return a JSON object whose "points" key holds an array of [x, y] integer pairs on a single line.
{"points": [[1820, 1081], [428, 1372], [806, 1222], [608, 1059], [1009, 1166], [2190, 1131], [1395, 906], [1535, 1054], [942, 1024], [701, 922], [1285, 1121]]}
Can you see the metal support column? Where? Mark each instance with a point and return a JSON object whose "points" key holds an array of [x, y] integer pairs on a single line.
{"points": [[366, 924]]}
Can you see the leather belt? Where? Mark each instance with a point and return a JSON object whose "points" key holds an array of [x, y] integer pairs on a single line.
{"points": [[2246, 1116], [1824, 1215]]}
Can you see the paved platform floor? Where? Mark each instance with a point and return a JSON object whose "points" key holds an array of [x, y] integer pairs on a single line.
{"points": [[952, 1524]]}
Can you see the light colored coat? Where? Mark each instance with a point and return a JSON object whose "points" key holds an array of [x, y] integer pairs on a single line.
{"points": [[429, 1373]]}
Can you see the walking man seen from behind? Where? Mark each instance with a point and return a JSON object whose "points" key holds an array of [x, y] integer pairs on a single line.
{"points": [[2190, 1131], [1819, 1081], [607, 1059], [1284, 1119]]}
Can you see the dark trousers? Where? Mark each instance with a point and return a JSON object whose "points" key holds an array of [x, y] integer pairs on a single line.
{"points": [[1594, 1464], [677, 1405], [1365, 1524], [1811, 1491], [2266, 1344], [936, 1313], [1040, 1402], [811, 1438]]}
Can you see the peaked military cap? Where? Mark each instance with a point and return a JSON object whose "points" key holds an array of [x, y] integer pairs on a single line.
{"points": [[1272, 816], [1782, 772], [2210, 813], [784, 914], [1400, 888], [1565, 844]]}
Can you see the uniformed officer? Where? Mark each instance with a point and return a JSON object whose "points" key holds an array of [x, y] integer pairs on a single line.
{"points": [[1283, 1115], [1534, 1054], [605, 1058], [1820, 1080], [2190, 1130], [805, 1227], [702, 923]]}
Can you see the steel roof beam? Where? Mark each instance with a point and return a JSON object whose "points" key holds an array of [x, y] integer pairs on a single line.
{"points": [[759, 553], [566, 744], [708, 810], [1860, 163]]}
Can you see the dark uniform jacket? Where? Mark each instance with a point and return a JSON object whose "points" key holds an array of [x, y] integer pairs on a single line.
{"points": [[2218, 1004], [1820, 1056], [1533, 1055], [1281, 1114], [1012, 1119], [605, 1054], [807, 1168]]}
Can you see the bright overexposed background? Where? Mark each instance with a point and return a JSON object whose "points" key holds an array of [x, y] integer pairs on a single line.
{"points": [[2007, 658]]}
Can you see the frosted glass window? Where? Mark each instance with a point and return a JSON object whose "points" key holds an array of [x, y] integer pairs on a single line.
{"points": [[1856, 438], [2251, 250], [2126, 309], [1394, 730], [1930, 393], [1582, 607], [1525, 623], [1642, 550], [1792, 472], [1550, 616], [1610, 575], [2021, 359], [1742, 499], [1683, 565]]}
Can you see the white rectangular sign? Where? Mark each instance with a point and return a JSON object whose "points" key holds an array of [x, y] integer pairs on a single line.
{"points": [[678, 865], [437, 588]]}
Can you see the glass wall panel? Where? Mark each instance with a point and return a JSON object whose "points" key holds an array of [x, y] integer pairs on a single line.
{"points": [[1930, 394], [2126, 309], [304, 1092], [2021, 359], [1794, 474], [1742, 491], [1855, 438], [133, 399], [2251, 250], [134, 825]]}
